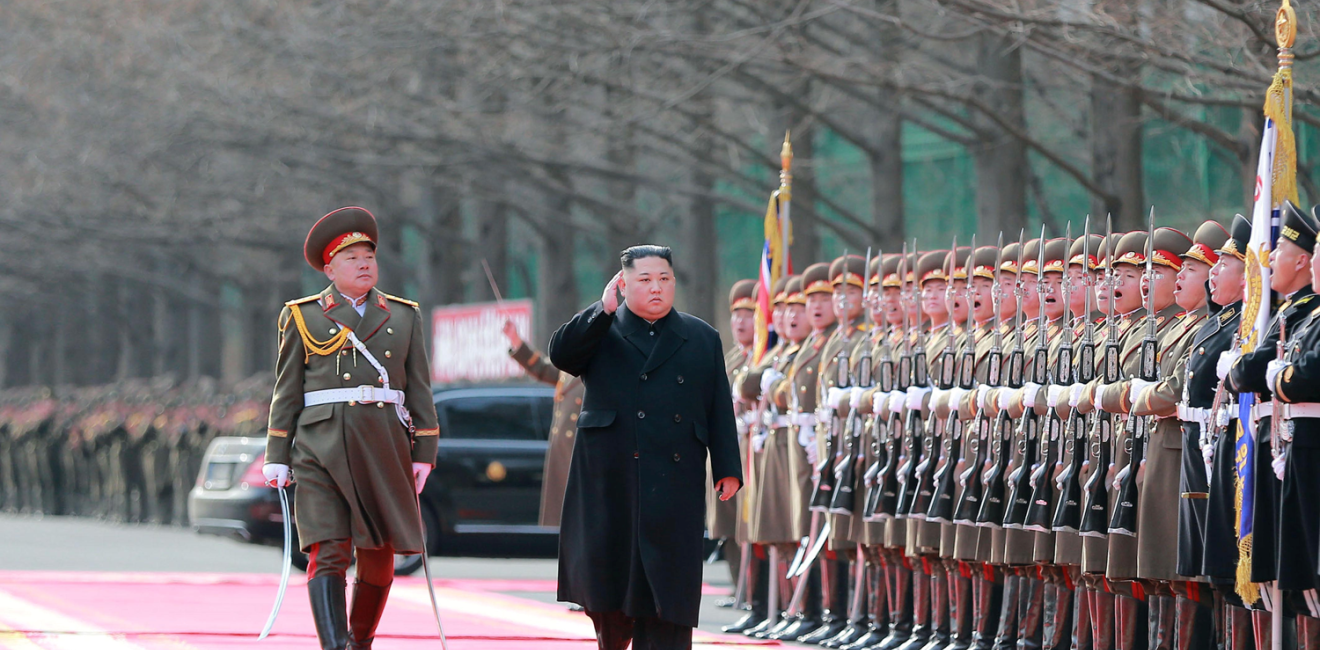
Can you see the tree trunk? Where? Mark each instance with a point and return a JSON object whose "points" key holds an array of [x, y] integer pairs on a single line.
{"points": [[885, 136], [805, 249], [234, 351], [1000, 159], [1116, 153]]}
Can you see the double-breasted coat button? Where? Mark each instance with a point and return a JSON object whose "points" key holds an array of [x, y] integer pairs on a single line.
{"points": [[380, 405], [387, 354], [680, 379], [678, 418], [389, 330], [347, 376], [636, 455], [677, 458], [573, 417], [641, 415], [332, 330], [643, 376], [344, 352], [352, 403]]}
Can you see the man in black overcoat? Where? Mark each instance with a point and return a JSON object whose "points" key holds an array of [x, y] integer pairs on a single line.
{"points": [[657, 401]]}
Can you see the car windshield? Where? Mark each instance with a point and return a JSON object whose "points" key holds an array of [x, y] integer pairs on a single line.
{"points": [[494, 417]]}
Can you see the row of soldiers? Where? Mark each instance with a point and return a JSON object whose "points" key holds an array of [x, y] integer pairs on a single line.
{"points": [[127, 452], [1030, 445]]}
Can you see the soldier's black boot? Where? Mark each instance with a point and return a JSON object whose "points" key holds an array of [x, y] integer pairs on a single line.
{"points": [[759, 616], [835, 618], [986, 597], [368, 605], [1195, 627], [939, 608], [329, 611], [1262, 629], [1308, 633], [857, 621], [1081, 618], [1160, 622], [1006, 636], [1102, 619], [960, 610], [877, 618], [808, 620], [1237, 628], [1058, 612], [1129, 624], [921, 631], [1031, 601], [900, 606]]}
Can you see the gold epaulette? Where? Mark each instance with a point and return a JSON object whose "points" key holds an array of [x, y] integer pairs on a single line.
{"points": [[402, 300], [293, 305], [299, 301]]}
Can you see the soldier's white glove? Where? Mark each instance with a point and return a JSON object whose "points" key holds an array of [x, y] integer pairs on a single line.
{"points": [[420, 472], [1272, 372], [1226, 360], [740, 425], [1138, 385], [758, 441], [1075, 392], [1055, 395], [1029, 391], [807, 437], [832, 397], [769, 377], [915, 395], [878, 402], [813, 456], [1208, 455], [1005, 399], [855, 398], [1278, 464], [956, 396], [1100, 391], [277, 474], [982, 392], [896, 400]]}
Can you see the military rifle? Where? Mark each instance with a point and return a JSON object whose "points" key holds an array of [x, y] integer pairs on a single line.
{"points": [[1095, 512], [1040, 513], [913, 422], [946, 477], [996, 480], [1124, 517], [933, 456], [1068, 509], [823, 491], [969, 501], [1030, 426], [887, 481]]}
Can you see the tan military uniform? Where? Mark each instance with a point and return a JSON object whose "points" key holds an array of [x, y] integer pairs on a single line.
{"points": [[722, 518], [797, 394], [563, 428], [771, 507], [353, 460]]}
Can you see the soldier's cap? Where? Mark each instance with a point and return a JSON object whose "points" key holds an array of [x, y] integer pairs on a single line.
{"points": [[1209, 237], [889, 269], [960, 258], [1054, 255], [781, 289], [850, 269], [933, 266], [873, 271], [336, 231], [793, 291], [742, 295], [1031, 256], [1296, 226], [910, 267], [816, 279], [1130, 249], [1169, 246], [1008, 259], [984, 262], [1110, 242], [1097, 251], [1238, 239]]}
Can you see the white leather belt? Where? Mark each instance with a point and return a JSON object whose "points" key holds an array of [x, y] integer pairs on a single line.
{"points": [[804, 419], [781, 422], [358, 394], [1306, 410], [1261, 410], [1201, 416]]}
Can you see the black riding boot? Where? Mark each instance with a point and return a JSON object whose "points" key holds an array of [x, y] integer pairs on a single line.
{"points": [[329, 611]]}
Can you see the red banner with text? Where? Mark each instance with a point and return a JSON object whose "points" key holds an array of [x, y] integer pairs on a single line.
{"points": [[468, 344]]}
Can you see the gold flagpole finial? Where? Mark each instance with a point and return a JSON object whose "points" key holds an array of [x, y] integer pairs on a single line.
{"points": [[786, 153], [1285, 25]]}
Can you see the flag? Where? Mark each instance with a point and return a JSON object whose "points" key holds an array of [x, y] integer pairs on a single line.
{"points": [[774, 265]]}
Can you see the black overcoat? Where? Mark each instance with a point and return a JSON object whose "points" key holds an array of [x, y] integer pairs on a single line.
{"points": [[634, 508]]}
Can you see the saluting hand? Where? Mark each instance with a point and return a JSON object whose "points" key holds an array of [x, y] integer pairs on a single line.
{"points": [[610, 299], [511, 332]]}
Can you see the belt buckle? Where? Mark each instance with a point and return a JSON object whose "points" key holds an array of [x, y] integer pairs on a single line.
{"points": [[364, 394]]}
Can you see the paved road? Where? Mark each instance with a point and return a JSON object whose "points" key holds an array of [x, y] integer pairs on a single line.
{"points": [[75, 544]]}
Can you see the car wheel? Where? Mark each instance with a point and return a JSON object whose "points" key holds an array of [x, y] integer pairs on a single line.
{"points": [[406, 565]]}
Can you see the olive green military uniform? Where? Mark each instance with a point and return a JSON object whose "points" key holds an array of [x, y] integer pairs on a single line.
{"points": [[563, 426]]}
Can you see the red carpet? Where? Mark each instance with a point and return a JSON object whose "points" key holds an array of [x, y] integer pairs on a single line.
{"points": [[181, 611]]}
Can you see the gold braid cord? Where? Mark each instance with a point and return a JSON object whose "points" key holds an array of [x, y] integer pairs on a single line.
{"points": [[311, 345]]}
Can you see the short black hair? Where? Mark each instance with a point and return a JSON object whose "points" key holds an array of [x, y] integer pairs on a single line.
{"points": [[634, 253]]}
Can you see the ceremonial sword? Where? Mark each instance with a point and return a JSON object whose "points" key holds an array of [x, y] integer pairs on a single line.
{"points": [[426, 567], [288, 562]]}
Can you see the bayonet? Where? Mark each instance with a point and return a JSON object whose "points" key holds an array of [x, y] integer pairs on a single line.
{"points": [[1095, 513]]}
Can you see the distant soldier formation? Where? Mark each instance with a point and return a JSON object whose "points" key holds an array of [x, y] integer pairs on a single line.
{"points": [[127, 452], [1029, 445]]}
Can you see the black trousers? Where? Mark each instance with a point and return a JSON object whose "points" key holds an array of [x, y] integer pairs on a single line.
{"points": [[614, 630]]}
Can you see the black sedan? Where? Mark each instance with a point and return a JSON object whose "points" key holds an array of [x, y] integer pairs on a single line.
{"points": [[482, 498]]}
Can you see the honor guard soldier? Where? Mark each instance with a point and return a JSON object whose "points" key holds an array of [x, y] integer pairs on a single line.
{"points": [[723, 519], [1274, 557], [563, 422], [353, 390], [1207, 543], [1295, 382]]}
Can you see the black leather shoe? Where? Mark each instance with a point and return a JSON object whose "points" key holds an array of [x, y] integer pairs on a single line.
{"points": [[749, 621], [853, 631], [799, 626], [827, 631], [329, 611]]}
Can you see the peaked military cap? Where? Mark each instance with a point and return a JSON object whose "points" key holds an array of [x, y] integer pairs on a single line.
{"points": [[1206, 242], [1031, 256], [1239, 237], [1054, 255], [984, 262], [1131, 248], [1169, 246], [889, 270], [850, 269], [336, 231], [816, 279], [742, 295], [1096, 252], [781, 289], [793, 291], [1296, 226], [933, 266]]}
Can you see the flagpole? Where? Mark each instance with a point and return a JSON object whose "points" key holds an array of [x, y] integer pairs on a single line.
{"points": [[785, 201]]}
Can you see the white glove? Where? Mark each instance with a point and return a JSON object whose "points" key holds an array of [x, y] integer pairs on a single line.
{"points": [[1055, 395], [982, 392], [1208, 455], [740, 425], [1005, 399], [807, 437], [769, 377], [855, 398], [915, 395], [878, 402], [937, 394], [1272, 372], [1075, 392], [812, 454], [420, 472], [956, 396], [896, 400], [1226, 360], [1139, 385], [277, 475], [1100, 393], [758, 441], [1278, 464], [1029, 391], [832, 398]]}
